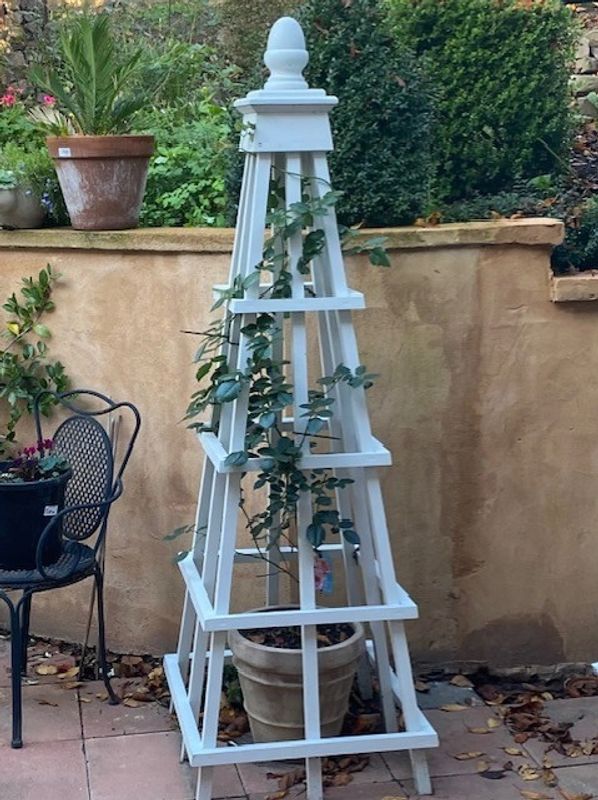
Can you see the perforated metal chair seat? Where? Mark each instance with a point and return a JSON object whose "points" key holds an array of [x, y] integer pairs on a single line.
{"points": [[76, 562]]}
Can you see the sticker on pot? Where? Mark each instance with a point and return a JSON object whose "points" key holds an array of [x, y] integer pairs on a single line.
{"points": [[64, 152], [50, 511]]}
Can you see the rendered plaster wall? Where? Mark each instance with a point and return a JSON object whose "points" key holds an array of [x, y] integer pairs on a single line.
{"points": [[487, 398]]}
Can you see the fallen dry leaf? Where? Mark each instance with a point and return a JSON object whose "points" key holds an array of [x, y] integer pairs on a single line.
{"points": [[513, 751], [492, 722], [84, 700], [395, 797], [46, 669], [73, 684], [534, 795], [528, 773], [468, 756], [461, 681], [454, 707], [549, 777], [569, 796], [46, 703], [129, 702], [479, 730], [421, 686], [73, 672], [482, 766]]}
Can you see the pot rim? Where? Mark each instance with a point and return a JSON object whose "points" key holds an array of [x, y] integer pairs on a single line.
{"points": [[358, 633], [42, 482]]}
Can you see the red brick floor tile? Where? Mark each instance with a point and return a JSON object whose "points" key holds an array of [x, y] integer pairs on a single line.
{"points": [[453, 729], [101, 719], [254, 780], [474, 787], [147, 766], [4, 662], [579, 781], [50, 713], [583, 712], [38, 771]]}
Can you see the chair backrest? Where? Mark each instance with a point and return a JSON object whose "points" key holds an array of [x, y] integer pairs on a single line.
{"points": [[96, 457]]}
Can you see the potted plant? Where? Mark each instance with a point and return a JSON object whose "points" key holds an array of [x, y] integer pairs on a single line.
{"points": [[268, 662], [102, 169], [25, 177], [32, 488], [26, 368]]}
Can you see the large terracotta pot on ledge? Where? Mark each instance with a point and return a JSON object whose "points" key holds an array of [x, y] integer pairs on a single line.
{"points": [[102, 178]]}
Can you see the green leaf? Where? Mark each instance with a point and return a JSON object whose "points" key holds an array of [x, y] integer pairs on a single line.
{"points": [[42, 331], [236, 459], [227, 391], [351, 536], [315, 535], [267, 420]]}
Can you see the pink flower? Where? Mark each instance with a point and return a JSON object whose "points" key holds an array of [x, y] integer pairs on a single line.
{"points": [[48, 100], [7, 99]]}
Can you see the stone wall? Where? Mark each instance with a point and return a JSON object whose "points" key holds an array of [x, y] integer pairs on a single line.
{"points": [[21, 26], [584, 81], [487, 399]]}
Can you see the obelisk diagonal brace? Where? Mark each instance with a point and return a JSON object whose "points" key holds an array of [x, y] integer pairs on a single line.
{"points": [[286, 135]]}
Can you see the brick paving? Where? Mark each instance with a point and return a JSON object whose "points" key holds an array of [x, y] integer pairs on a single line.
{"points": [[77, 747]]}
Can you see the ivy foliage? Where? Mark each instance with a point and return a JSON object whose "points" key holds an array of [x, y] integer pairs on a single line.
{"points": [[501, 70], [25, 366], [264, 382], [382, 125]]}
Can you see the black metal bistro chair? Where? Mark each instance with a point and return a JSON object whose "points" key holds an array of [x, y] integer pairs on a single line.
{"points": [[88, 439]]}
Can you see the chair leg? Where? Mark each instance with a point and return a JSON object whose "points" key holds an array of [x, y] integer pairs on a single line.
{"points": [[25, 618], [99, 579], [16, 660]]}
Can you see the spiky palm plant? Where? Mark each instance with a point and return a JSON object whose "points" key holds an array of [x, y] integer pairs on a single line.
{"points": [[93, 87]]}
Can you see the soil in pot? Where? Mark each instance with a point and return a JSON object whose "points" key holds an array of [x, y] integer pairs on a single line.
{"points": [[102, 178], [268, 661], [25, 510]]}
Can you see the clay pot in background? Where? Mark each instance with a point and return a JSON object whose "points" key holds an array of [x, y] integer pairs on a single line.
{"points": [[102, 178], [20, 208]]}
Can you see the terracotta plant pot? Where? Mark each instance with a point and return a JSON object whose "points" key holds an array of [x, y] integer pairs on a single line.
{"points": [[271, 681], [102, 178], [20, 208]]}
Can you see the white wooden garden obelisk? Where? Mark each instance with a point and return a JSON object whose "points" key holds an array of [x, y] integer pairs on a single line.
{"points": [[287, 129]]}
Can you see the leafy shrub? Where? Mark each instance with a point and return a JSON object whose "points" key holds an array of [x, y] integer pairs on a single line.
{"points": [[381, 126], [188, 117], [15, 126], [186, 179], [244, 28], [501, 68]]}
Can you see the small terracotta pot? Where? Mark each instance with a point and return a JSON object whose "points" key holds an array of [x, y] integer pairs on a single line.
{"points": [[102, 178]]}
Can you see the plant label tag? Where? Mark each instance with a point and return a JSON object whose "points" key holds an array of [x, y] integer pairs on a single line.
{"points": [[64, 152], [323, 575], [50, 511]]}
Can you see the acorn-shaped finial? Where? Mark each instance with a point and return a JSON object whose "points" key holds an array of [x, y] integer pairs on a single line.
{"points": [[286, 56]]}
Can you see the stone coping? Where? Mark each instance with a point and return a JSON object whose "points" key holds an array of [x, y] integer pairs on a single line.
{"points": [[574, 288], [528, 231]]}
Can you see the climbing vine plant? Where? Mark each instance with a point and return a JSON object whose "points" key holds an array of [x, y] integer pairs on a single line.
{"points": [[269, 390]]}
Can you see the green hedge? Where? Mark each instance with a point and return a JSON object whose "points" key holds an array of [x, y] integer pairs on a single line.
{"points": [[381, 126], [501, 70]]}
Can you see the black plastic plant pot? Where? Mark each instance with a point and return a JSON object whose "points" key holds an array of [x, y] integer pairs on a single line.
{"points": [[25, 510]]}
